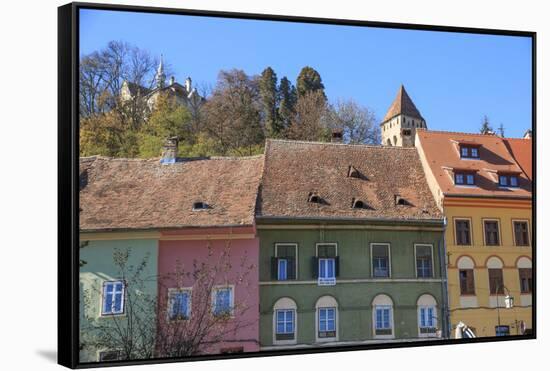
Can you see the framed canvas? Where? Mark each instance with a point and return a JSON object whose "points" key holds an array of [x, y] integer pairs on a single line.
{"points": [[242, 185]]}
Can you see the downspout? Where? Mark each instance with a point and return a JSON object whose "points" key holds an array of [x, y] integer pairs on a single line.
{"points": [[444, 286]]}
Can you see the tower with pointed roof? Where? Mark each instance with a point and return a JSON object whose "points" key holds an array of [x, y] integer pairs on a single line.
{"points": [[160, 77], [398, 128]]}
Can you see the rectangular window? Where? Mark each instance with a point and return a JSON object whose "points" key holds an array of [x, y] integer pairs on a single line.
{"points": [[502, 330], [327, 322], [470, 179], [491, 233], [284, 326], [463, 178], [462, 227], [284, 263], [178, 304], [467, 282], [383, 320], [495, 281], [506, 180], [113, 298], [380, 260], [424, 261], [326, 268], [110, 355], [525, 280], [459, 178], [427, 320], [469, 152], [223, 301], [521, 233], [326, 264], [514, 181]]}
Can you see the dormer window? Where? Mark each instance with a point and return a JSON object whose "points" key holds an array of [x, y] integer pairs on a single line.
{"points": [[508, 180], [314, 198], [353, 172], [468, 151], [357, 204], [400, 201], [200, 205], [464, 178]]}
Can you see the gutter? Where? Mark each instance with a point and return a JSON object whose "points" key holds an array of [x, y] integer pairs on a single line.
{"points": [[347, 219], [444, 283]]}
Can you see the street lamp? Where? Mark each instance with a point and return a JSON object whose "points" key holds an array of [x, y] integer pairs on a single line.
{"points": [[508, 302]]}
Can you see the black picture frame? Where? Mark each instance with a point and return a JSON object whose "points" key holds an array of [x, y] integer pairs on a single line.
{"points": [[68, 178]]}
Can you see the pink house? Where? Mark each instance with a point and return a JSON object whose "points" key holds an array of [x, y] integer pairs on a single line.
{"points": [[208, 257]]}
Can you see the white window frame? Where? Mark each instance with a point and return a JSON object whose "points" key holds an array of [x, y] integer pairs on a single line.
{"points": [[470, 230], [416, 261], [295, 245], [329, 281], [372, 259], [172, 291], [434, 319], [390, 309], [326, 302], [215, 289], [483, 220], [326, 320], [285, 303], [122, 300], [285, 321], [528, 232]]}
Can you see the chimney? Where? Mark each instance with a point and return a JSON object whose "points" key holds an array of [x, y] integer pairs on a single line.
{"points": [[170, 151], [172, 80], [336, 136], [188, 84], [528, 134]]}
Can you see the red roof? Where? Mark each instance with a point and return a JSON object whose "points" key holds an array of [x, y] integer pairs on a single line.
{"points": [[402, 104], [522, 150], [441, 151]]}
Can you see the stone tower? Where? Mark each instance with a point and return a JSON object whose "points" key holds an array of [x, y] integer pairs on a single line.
{"points": [[398, 128], [160, 77]]}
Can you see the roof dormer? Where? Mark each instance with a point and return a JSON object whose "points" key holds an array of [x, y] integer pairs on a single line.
{"points": [[467, 149]]}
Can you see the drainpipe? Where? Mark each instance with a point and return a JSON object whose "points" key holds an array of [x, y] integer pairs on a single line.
{"points": [[444, 286]]}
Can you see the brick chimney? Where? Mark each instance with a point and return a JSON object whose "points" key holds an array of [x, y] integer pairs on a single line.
{"points": [[170, 151], [336, 136]]}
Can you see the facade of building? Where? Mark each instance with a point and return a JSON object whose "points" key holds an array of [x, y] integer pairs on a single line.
{"points": [[187, 219], [398, 128], [350, 247], [486, 198]]}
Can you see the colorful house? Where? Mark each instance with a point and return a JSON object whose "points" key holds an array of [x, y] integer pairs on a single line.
{"points": [[192, 220], [351, 244], [486, 198]]}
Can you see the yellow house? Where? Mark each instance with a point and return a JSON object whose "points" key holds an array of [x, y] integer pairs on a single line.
{"points": [[486, 198]]}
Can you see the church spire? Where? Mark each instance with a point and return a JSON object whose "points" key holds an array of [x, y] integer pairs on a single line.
{"points": [[402, 105], [160, 77]]}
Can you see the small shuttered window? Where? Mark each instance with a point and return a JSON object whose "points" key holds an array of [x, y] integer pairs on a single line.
{"points": [[467, 282]]}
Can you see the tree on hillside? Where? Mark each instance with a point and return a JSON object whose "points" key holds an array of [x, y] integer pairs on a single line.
{"points": [[287, 103], [233, 114], [311, 121], [309, 80], [486, 127], [358, 123], [269, 98]]}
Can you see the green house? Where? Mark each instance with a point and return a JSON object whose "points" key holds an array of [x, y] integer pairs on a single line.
{"points": [[351, 247]]}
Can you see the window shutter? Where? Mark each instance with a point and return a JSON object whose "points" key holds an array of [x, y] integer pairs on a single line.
{"points": [[274, 268], [337, 266], [291, 268], [315, 266], [470, 281]]}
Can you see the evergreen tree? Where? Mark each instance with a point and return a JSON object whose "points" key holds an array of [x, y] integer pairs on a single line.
{"points": [[309, 80], [269, 99], [486, 126], [287, 102]]}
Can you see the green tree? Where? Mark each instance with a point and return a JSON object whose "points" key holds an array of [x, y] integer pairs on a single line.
{"points": [[309, 80], [311, 121], [486, 127], [287, 102], [269, 99]]}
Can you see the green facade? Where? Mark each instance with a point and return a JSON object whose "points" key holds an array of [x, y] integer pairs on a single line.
{"points": [[355, 288], [98, 267]]}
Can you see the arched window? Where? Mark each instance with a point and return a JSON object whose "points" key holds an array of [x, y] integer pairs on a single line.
{"points": [[525, 267], [382, 317], [466, 276], [284, 321], [394, 140], [389, 142], [326, 319], [496, 281], [427, 316]]}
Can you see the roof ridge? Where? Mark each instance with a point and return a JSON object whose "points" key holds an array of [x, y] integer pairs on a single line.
{"points": [[461, 133], [151, 159], [337, 144]]}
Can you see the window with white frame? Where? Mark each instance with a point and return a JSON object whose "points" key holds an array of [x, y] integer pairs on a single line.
{"points": [[380, 260], [382, 311], [327, 264], [284, 263], [179, 304], [223, 301], [427, 316], [327, 322], [112, 298], [284, 324], [424, 267]]}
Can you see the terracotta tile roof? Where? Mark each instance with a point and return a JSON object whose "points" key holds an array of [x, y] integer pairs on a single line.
{"points": [[293, 170], [442, 153], [522, 150], [143, 194], [402, 104]]}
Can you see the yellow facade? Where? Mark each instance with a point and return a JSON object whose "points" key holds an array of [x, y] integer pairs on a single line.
{"points": [[479, 311]]}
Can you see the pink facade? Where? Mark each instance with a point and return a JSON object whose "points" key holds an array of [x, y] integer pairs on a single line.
{"points": [[186, 249]]}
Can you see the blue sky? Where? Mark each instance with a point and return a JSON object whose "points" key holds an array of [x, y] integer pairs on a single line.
{"points": [[454, 79]]}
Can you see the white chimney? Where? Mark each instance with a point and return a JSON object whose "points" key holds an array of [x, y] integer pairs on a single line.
{"points": [[188, 84], [172, 80]]}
